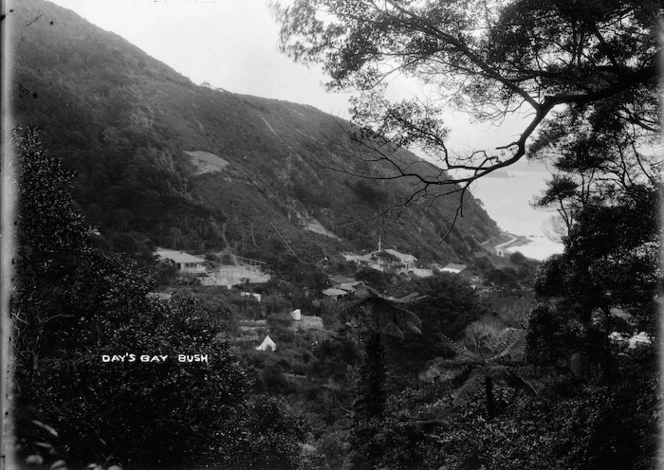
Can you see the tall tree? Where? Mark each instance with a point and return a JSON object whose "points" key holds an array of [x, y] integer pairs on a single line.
{"points": [[59, 273], [589, 64], [607, 280], [378, 314]]}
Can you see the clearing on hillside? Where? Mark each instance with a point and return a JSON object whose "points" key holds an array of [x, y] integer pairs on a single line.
{"points": [[206, 162]]}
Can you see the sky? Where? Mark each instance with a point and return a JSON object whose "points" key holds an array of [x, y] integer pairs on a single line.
{"points": [[233, 44]]}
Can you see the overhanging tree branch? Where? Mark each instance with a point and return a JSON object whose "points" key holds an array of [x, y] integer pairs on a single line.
{"points": [[586, 62]]}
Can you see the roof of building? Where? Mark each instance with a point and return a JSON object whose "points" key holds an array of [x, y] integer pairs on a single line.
{"points": [[353, 257], [178, 256], [404, 257], [388, 254], [332, 292], [348, 286], [454, 268], [338, 279]]}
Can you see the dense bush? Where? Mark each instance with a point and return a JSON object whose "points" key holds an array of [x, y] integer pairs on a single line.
{"points": [[158, 413], [271, 436], [84, 321], [566, 426]]}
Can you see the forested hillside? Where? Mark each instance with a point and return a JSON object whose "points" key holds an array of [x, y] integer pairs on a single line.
{"points": [[128, 125], [356, 362]]}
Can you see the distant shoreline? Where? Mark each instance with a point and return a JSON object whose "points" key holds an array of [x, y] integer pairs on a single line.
{"points": [[507, 241], [521, 240], [514, 241]]}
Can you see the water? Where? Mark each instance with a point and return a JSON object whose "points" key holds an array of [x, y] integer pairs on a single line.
{"points": [[508, 202]]}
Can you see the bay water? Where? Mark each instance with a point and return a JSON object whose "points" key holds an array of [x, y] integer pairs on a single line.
{"points": [[508, 201]]}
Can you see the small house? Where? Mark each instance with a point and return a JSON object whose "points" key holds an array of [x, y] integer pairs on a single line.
{"points": [[408, 261], [186, 263]]}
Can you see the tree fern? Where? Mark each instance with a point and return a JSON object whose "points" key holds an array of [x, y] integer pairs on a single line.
{"points": [[493, 358], [377, 314], [386, 313]]}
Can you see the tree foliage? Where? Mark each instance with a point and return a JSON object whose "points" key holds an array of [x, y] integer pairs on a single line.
{"points": [[129, 126], [490, 357], [587, 66], [159, 410], [378, 314], [73, 305], [65, 288], [609, 266]]}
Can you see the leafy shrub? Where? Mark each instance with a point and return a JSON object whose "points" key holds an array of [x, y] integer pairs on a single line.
{"points": [[84, 321], [276, 304], [271, 380], [271, 436], [369, 194], [281, 320], [160, 411], [334, 447]]}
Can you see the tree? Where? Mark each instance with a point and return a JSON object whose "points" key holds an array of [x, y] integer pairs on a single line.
{"points": [[63, 284], [160, 411], [448, 307], [378, 314], [605, 281], [590, 66], [597, 164], [493, 356], [617, 427], [271, 436], [83, 323]]}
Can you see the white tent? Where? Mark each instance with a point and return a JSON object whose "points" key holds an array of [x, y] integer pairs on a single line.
{"points": [[267, 345], [296, 314]]}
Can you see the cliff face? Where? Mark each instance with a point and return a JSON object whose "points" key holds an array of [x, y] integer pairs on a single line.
{"points": [[163, 159]]}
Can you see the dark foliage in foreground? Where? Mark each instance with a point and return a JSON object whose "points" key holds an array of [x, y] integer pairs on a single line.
{"points": [[74, 304]]}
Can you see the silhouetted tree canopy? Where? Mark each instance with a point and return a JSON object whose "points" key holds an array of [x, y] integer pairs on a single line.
{"points": [[583, 72]]}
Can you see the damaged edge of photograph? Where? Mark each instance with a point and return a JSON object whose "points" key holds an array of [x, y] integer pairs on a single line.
{"points": [[7, 239], [317, 234]]}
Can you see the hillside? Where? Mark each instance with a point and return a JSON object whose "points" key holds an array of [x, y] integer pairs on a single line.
{"points": [[163, 161]]}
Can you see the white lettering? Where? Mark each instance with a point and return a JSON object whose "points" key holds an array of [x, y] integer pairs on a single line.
{"points": [[127, 357], [192, 358]]}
